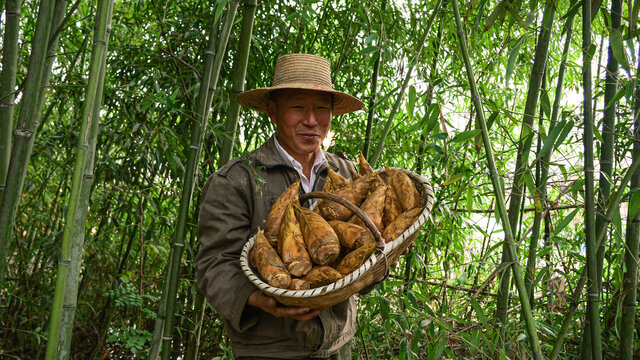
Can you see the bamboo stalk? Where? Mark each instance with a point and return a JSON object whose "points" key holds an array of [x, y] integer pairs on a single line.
{"points": [[524, 147], [8, 85], [541, 194], [25, 132], [593, 298], [631, 256], [608, 131], [497, 187], [606, 166], [239, 75], [387, 127], [57, 22], [194, 338], [213, 62], [544, 162], [612, 207], [65, 296], [374, 83]]}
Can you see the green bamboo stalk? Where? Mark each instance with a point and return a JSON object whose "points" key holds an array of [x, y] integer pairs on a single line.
{"points": [[65, 295], [612, 207], [239, 74], [524, 147], [193, 344], [374, 83], [8, 85], [387, 127], [194, 338], [544, 171], [608, 131], [213, 62], [541, 194], [593, 297], [631, 256], [606, 165], [57, 22], [497, 189], [25, 132]]}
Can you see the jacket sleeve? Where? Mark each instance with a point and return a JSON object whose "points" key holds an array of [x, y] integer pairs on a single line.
{"points": [[224, 227]]}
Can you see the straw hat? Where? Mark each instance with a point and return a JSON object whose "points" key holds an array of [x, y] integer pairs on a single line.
{"points": [[300, 71]]}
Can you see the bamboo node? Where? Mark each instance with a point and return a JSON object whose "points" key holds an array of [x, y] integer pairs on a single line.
{"points": [[23, 133]]}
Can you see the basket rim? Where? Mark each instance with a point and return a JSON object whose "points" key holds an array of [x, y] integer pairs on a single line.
{"points": [[355, 275]]}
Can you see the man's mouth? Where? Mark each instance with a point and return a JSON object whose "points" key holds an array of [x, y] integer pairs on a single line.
{"points": [[309, 136]]}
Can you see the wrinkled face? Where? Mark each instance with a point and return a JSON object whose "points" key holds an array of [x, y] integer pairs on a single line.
{"points": [[302, 118]]}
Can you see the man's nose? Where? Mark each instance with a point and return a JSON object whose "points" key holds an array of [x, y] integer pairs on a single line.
{"points": [[310, 118]]}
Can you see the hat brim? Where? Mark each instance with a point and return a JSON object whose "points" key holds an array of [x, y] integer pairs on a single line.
{"points": [[257, 99]]}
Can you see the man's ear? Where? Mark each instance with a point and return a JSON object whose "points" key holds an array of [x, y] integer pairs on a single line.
{"points": [[271, 110]]}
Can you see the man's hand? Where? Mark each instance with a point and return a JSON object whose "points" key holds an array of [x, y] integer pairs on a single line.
{"points": [[270, 305]]}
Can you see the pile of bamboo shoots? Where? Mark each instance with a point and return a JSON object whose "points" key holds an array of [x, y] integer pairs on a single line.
{"points": [[302, 249]]}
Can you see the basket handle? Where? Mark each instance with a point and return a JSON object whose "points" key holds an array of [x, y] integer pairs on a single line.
{"points": [[349, 205]]}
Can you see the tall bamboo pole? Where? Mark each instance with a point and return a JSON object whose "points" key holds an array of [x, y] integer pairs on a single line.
{"points": [[606, 165], [374, 83], [497, 189], [243, 52], [593, 298], [524, 147], [544, 171], [8, 85], [631, 256], [197, 315], [210, 75], [387, 127], [612, 207], [239, 74], [25, 131], [65, 295], [57, 22]]}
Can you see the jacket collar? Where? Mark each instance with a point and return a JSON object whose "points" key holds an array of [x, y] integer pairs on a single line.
{"points": [[267, 155]]}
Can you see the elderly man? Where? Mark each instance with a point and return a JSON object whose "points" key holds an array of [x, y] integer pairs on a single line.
{"points": [[238, 197]]}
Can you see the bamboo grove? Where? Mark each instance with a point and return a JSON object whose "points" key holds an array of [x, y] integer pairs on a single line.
{"points": [[524, 115]]}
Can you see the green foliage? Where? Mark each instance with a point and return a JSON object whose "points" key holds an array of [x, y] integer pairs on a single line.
{"points": [[134, 341], [439, 301]]}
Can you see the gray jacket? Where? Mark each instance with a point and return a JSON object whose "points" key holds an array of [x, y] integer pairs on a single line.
{"points": [[236, 201]]}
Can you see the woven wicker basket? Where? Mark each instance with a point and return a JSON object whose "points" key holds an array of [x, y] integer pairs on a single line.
{"points": [[372, 270]]}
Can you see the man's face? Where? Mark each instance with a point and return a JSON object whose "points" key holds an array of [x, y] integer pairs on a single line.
{"points": [[302, 118]]}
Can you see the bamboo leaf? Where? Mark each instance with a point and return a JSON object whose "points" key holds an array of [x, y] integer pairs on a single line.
{"points": [[368, 50], [492, 119], [531, 16], [617, 97], [479, 312], [453, 178], [438, 349], [634, 204], [371, 38], [221, 6], [545, 103], [565, 221], [513, 56], [465, 136], [565, 132], [617, 47], [550, 141], [440, 136], [497, 12], [412, 101]]}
